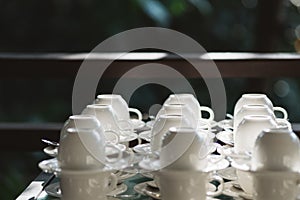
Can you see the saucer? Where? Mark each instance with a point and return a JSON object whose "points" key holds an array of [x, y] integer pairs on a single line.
{"points": [[225, 137], [147, 175], [215, 162], [51, 151], [229, 152], [150, 124], [225, 124], [127, 136], [228, 173], [145, 189], [54, 190], [52, 165], [123, 175], [137, 124], [143, 149], [145, 135], [152, 184], [233, 191], [210, 187]]}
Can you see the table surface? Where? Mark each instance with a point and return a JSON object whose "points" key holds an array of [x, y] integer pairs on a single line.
{"points": [[36, 186]]}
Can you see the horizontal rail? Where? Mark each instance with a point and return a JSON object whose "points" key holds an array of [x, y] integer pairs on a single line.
{"points": [[230, 65]]}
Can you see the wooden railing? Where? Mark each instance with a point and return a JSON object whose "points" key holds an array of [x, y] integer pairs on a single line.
{"points": [[36, 66]]}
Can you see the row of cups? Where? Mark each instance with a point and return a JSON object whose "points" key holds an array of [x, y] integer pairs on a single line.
{"points": [[180, 137], [266, 151], [93, 148], [180, 150]]}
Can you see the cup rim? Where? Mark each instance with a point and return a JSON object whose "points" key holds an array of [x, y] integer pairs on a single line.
{"points": [[257, 117], [108, 96], [254, 106], [82, 116], [254, 95]]}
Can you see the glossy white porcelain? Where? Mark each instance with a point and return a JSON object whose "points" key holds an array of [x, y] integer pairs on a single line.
{"points": [[276, 149], [81, 149], [185, 149], [192, 102], [257, 99], [161, 127], [88, 185], [179, 185], [119, 105], [248, 131]]}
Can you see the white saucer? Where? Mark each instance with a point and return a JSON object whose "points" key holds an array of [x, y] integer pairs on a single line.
{"points": [[137, 124], [143, 149], [210, 187], [145, 135], [149, 124], [225, 124], [225, 137], [127, 137], [228, 173], [123, 175], [147, 174], [145, 189], [233, 191], [54, 190], [51, 151], [229, 152], [152, 164], [52, 165]]}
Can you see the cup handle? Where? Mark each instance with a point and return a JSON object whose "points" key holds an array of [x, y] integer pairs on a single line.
{"points": [[119, 152], [210, 111], [112, 183], [283, 123], [137, 112], [219, 188], [282, 110]]}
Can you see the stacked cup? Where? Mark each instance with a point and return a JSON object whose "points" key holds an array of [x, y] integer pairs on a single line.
{"points": [[274, 165], [253, 113], [185, 165], [83, 161], [179, 110], [121, 109]]}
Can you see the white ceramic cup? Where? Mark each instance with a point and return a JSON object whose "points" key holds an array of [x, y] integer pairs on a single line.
{"points": [[87, 185], [178, 109], [187, 185], [110, 123], [253, 109], [275, 185], [161, 127], [83, 149], [185, 149], [244, 141], [248, 131], [88, 122], [257, 99], [276, 149], [192, 102], [119, 105], [106, 116]]}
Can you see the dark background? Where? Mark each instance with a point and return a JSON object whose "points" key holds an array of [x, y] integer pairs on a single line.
{"points": [[34, 26]]}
